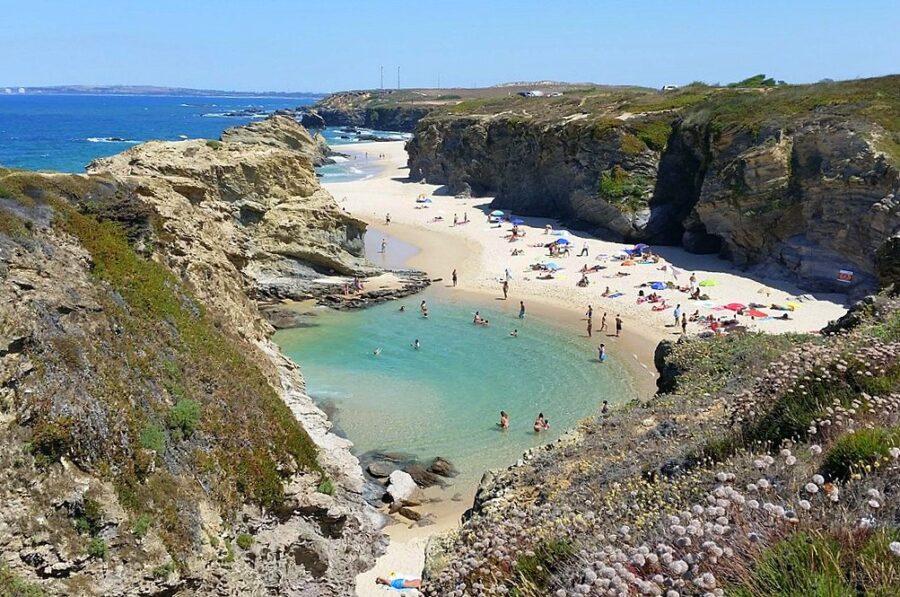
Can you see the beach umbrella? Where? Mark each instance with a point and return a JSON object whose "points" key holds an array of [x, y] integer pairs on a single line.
{"points": [[563, 241], [518, 221], [735, 306], [641, 247], [552, 266], [708, 283], [497, 213]]}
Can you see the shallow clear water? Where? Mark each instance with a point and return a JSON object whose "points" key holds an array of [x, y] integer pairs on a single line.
{"points": [[445, 398]]}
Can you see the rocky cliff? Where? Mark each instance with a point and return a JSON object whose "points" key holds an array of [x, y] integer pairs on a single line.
{"points": [[795, 179], [156, 442], [382, 110]]}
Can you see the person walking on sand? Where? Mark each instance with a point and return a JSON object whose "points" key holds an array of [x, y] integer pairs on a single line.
{"points": [[590, 326], [603, 325], [387, 218], [521, 309], [601, 353], [584, 250], [590, 312], [684, 323], [453, 277], [618, 325], [505, 289], [677, 314], [455, 220]]}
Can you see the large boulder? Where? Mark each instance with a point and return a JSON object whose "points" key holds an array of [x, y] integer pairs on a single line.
{"points": [[402, 489], [422, 476], [444, 468]]}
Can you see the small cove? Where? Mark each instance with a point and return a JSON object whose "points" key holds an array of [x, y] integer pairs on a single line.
{"points": [[445, 398]]}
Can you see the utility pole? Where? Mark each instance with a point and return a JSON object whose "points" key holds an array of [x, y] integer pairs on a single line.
{"points": [[398, 78], [382, 78]]}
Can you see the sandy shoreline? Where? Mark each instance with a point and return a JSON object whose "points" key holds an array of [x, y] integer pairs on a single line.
{"points": [[480, 254]]}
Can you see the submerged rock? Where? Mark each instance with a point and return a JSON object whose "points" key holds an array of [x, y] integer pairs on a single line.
{"points": [[442, 467]]}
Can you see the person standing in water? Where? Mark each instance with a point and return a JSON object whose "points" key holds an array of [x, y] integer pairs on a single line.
{"points": [[618, 325], [604, 410], [601, 353], [453, 277], [383, 245], [505, 289], [417, 344], [540, 424], [504, 420], [590, 326], [521, 309]]}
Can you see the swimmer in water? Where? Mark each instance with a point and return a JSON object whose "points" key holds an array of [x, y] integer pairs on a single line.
{"points": [[402, 308], [514, 333], [376, 352], [417, 344], [504, 420]]}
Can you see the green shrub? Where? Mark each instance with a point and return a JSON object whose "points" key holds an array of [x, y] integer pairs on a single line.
{"points": [[244, 540], [13, 226], [12, 586], [619, 186], [213, 144], [51, 440], [533, 574], [142, 525], [97, 548], [853, 452], [164, 571], [153, 437], [326, 486], [185, 416], [799, 566], [90, 520]]}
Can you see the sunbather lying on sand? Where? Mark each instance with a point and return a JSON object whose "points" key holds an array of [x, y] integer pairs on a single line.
{"points": [[400, 583]]}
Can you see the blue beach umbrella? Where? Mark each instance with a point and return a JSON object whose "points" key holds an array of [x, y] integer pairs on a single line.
{"points": [[552, 266], [517, 221], [497, 213], [563, 241]]}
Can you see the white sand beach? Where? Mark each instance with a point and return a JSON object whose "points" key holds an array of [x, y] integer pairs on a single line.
{"points": [[481, 254]]}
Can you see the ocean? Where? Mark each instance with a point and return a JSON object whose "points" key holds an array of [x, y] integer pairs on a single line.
{"points": [[65, 132]]}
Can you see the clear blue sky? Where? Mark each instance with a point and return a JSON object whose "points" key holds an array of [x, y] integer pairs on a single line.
{"points": [[329, 45]]}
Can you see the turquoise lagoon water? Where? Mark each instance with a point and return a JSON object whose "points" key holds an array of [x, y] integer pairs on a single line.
{"points": [[445, 398]]}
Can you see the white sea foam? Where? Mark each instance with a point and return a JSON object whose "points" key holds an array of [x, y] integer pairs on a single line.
{"points": [[110, 140]]}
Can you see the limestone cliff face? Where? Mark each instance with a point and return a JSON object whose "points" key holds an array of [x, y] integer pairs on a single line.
{"points": [[250, 204], [759, 178], [156, 441]]}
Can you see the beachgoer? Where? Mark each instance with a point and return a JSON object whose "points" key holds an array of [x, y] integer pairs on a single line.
{"points": [[601, 353], [603, 322], [590, 326], [387, 218], [453, 277], [477, 319], [618, 325], [605, 408], [684, 323], [417, 344], [465, 217], [383, 245], [400, 583], [455, 220], [584, 250], [376, 352], [514, 333], [505, 289], [677, 314], [423, 307], [402, 308], [504, 420], [590, 312], [540, 424], [507, 274], [521, 309], [606, 292]]}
